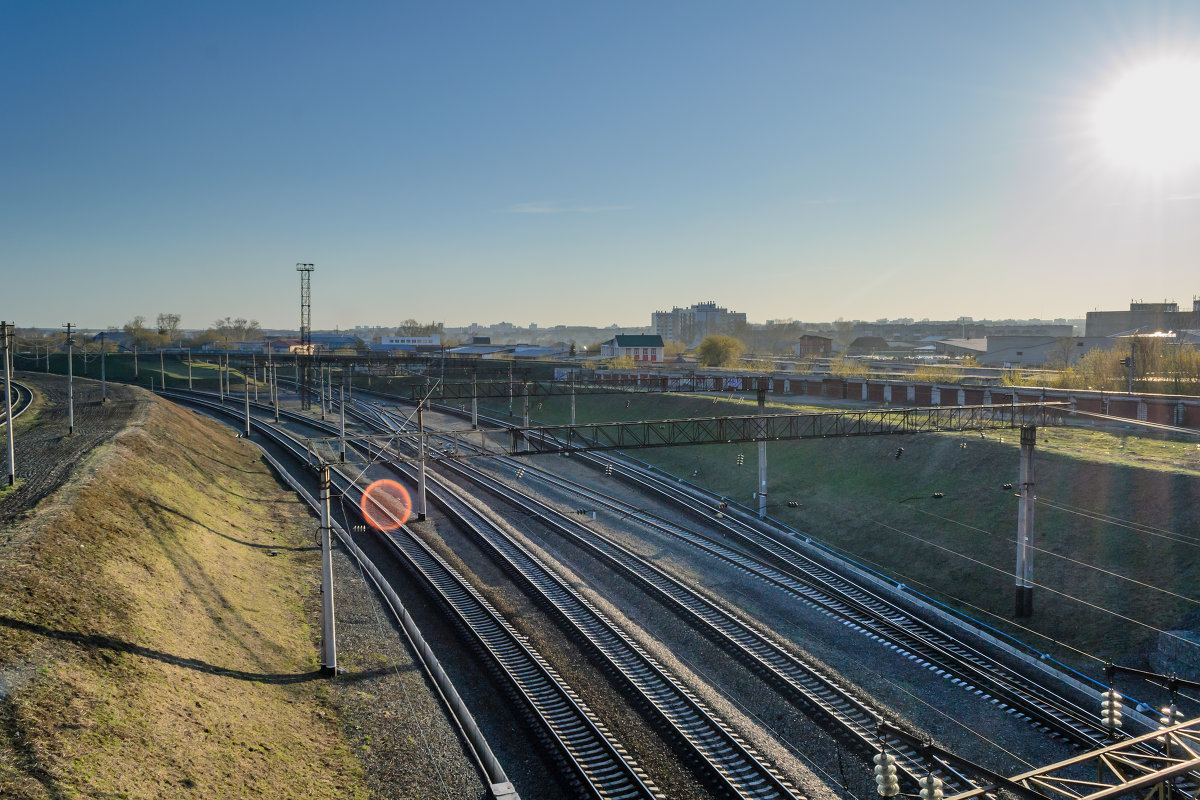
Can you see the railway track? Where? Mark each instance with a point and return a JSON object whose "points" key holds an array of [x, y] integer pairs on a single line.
{"points": [[787, 569], [722, 755], [851, 719], [601, 764], [22, 399]]}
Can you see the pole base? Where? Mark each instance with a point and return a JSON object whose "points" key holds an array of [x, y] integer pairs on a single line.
{"points": [[330, 672], [1023, 607]]}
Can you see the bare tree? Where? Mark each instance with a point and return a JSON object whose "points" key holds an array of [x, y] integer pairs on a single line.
{"points": [[168, 325]]}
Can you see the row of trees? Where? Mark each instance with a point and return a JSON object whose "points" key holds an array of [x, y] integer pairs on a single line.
{"points": [[1158, 367], [167, 333]]}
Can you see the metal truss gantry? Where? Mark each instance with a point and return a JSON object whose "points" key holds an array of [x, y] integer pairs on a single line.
{"points": [[1162, 764], [596, 436]]}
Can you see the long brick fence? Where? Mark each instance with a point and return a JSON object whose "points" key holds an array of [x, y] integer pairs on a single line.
{"points": [[1175, 410]]}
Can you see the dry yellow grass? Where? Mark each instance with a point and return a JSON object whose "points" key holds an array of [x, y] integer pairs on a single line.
{"points": [[150, 644]]}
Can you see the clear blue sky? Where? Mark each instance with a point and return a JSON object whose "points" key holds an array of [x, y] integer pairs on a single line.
{"points": [[578, 162]]}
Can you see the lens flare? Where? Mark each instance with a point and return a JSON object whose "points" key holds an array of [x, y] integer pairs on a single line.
{"points": [[1150, 119], [385, 505]]}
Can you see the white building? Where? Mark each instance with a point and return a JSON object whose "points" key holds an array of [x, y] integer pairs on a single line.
{"points": [[639, 348]]}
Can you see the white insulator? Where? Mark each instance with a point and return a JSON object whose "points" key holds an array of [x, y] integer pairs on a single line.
{"points": [[883, 758]]}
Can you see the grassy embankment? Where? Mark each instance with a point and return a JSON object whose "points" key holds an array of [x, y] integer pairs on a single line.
{"points": [[157, 617], [858, 498]]}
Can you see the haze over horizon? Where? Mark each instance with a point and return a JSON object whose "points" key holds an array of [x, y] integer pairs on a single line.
{"points": [[534, 162]]}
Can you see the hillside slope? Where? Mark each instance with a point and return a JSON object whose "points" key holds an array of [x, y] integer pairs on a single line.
{"points": [[157, 630]]}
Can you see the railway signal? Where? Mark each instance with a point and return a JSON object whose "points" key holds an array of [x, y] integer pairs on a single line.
{"points": [[741, 459], [608, 469], [899, 452]]}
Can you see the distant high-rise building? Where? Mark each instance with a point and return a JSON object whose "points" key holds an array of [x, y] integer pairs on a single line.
{"points": [[690, 325]]}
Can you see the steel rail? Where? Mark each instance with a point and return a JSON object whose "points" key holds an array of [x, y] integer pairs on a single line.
{"points": [[862, 610], [852, 718], [20, 393], [723, 754]]}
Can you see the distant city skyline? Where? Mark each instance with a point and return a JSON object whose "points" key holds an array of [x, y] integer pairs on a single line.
{"points": [[592, 163]]}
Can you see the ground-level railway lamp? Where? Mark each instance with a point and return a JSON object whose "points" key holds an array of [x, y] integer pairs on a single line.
{"points": [[6, 340], [933, 496]]}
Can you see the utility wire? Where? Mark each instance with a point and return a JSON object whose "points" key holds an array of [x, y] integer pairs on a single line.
{"points": [[1052, 590], [1180, 538], [1075, 561]]}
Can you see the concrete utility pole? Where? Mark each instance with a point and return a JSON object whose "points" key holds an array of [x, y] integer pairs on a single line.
{"points": [[525, 414], [189, 358], [103, 382], [246, 397], [135, 364], [6, 339], [328, 634], [162, 369], [421, 459], [1024, 571], [70, 381], [254, 375], [322, 371], [275, 389], [510, 389], [342, 406], [572, 397], [475, 399], [220, 379], [762, 460]]}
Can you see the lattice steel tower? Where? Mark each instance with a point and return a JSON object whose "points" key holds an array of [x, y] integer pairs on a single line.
{"points": [[305, 354]]}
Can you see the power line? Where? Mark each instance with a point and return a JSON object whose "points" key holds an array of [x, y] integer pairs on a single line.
{"points": [[1137, 527], [1068, 558], [1052, 590]]}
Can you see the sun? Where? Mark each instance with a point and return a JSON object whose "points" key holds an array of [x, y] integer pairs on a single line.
{"points": [[1150, 119]]}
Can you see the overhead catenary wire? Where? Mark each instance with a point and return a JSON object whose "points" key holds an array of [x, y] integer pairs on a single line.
{"points": [[1099, 516], [1050, 589], [1077, 562]]}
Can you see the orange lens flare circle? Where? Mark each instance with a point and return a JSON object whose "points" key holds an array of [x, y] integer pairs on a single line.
{"points": [[385, 505]]}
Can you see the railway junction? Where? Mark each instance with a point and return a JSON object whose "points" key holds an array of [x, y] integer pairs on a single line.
{"points": [[655, 640]]}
